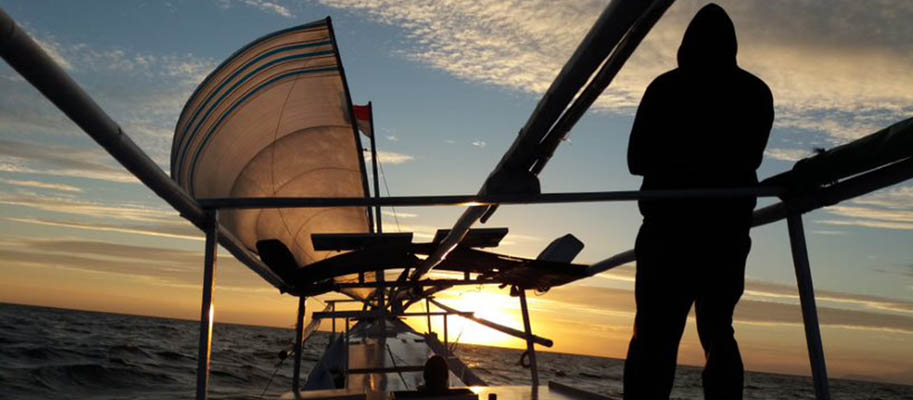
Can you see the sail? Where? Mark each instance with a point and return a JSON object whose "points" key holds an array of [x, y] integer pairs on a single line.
{"points": [[275, 120]]}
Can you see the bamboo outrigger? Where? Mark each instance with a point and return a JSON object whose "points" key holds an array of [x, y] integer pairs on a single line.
{"points": [[358, 357]]}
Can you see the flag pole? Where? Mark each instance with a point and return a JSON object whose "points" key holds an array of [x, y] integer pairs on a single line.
{"points": [[377, 217]]}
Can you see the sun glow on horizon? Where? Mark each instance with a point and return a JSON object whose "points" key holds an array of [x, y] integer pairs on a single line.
{"points": [[494, 307]]}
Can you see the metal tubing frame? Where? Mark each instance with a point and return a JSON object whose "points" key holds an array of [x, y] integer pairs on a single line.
{"points": [[530, 344], [206, 312], [24, 55], [809, 310], [299, 327]]}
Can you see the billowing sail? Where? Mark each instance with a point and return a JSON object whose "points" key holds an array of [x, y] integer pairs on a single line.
{"points": [[275, 120]]}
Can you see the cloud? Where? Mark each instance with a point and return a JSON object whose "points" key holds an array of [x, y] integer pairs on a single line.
{"points": [[53, 49], [839, 67], [269, 6], [159, 85], [787, 154], [620, 302], [770, 290], [399, 214], [392, 138], [262, 5], [153, 265], [163, 230], [41, 185], [390, 158], [82, 208], [479, 143], [25, 157], [827, 232], [777, 292], [890, 208]]}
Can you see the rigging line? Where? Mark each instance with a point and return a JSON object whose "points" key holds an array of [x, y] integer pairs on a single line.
{"points": [[393, 360], [457, 341], [273, 375], [384, 176]]}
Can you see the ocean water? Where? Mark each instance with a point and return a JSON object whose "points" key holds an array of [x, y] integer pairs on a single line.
{"points": [[64, 354]]}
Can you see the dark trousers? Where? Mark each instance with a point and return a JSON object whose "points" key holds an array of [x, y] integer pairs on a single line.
{"points": [[680, 264]]}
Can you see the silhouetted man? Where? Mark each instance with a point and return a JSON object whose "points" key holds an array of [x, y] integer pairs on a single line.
{"points": [[701, 125]]}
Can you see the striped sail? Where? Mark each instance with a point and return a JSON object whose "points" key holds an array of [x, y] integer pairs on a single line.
{"points": [[275, 120]]}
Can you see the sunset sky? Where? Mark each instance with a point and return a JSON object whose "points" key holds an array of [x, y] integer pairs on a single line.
{"points": [[452, 82]]}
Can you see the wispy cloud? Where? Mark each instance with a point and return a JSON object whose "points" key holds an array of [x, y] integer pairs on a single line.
{"points": [[399, 214], [160, 84], [82, 208], [769, 290], [390, 158], [155, 230], [479, 143], [886, 209], [37, 158], [270, 7], [53, 48], [880, 315], [152, 265], [787, 154], [41, 185]]}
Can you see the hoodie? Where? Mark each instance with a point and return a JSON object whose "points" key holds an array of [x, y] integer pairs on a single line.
{"points": [[702, 125]]}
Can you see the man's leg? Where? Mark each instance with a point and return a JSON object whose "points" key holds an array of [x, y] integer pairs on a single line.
{"points": [[724, 282], [663, 302]]}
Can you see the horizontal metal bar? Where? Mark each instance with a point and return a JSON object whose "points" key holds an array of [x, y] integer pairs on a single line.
{"points": [[387, 370], [31, 61], [372, 313], [473, 200], [344, 314], [859, 185], [424, 282], [437, 313]]}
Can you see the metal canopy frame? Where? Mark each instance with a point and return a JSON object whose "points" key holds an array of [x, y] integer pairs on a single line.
{"points": [[615, 34]]}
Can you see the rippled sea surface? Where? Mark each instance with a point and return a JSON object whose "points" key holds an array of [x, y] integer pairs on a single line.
{"points": [[53, 353]]}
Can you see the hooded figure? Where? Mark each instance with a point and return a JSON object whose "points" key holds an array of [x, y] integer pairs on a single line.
{"points": [[702, 125]]}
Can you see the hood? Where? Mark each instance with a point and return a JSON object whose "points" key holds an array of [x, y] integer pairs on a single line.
{"points": [[709, 41]]}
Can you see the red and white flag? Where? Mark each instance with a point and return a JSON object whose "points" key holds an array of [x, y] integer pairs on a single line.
{"points": [[364, 118]]}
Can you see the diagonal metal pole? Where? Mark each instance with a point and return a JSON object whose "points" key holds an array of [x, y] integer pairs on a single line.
{"points": [[809, 310], [530, 344], [299, 330], [206, 313]]}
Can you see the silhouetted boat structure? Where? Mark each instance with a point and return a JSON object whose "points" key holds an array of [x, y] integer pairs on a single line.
{"points": [[267, 162]]}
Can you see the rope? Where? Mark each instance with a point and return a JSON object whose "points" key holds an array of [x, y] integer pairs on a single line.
{"points": [[393, 359], [272, 376], [384, 176]]}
